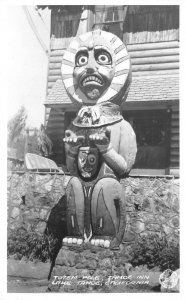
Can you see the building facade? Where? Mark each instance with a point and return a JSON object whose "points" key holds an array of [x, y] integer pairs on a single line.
{"points": [[151, 35]]}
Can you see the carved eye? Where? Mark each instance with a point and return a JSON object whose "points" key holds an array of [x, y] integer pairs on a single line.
{"points": [[103, 57], [82, 59], [91, 159]]}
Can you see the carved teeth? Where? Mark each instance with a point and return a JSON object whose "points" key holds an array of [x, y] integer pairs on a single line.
{"points": [[92, 78], [79, 241], [101, 242], [106, 244], [97, 242], [72, 241]]}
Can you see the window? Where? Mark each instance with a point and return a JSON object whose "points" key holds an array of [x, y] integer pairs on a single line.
{"points": [[152, 134], [110, 18]]}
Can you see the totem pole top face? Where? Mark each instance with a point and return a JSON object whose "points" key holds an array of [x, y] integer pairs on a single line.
{"points": [[96, 68]]}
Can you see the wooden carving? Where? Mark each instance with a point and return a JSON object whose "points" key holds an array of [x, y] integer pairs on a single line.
{"points": [[100, 144]]}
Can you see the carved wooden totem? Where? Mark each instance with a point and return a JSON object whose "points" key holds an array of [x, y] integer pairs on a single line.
{"points": [[100, 144]]}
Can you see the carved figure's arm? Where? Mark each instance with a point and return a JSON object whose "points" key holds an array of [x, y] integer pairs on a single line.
{"points": [[120, 158], [115, 161]]}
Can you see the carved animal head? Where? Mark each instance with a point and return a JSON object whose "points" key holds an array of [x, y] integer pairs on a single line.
{"points": [[96, 69]]}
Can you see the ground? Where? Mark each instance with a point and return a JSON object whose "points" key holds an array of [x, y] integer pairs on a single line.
{"points": [[31, 277]]}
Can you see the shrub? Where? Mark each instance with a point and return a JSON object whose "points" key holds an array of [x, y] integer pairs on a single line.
{"points": [[156, 251], [30, 245]]}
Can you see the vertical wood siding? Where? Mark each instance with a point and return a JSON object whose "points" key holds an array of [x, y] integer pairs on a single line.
{"points": [[142, 23], [64, 25], [174, 138], [147, 25]]}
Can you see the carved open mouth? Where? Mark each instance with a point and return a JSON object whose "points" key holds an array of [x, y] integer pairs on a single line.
{"points": [[86, 173], [87, 169], [93, 80]]}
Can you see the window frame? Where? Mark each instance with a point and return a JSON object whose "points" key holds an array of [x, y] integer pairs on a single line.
{"points": [[162, 114], [113, 22]]}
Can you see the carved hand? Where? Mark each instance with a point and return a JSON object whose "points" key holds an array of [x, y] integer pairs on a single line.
{"points": [[73, 141], [101, 140]]}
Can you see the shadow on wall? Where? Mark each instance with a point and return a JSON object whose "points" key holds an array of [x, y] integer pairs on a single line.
{"points": [[56, 229]]}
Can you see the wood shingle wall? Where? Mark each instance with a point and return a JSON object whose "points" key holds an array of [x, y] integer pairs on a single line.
{"points": [[154, 23]]}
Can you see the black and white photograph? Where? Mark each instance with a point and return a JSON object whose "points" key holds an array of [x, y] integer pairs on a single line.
{"points": [[93, 149]]}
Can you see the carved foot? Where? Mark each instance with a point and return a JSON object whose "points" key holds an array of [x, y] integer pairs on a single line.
{"points": [[104, 242], [98, 241], [72, 240]]}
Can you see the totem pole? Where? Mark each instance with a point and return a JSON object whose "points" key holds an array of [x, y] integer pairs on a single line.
{"points": [[100, 145]]}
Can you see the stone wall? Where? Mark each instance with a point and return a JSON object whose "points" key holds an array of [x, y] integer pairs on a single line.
{"points": [[37, 202], [31, 198], [88, 268], [152, 207], [152, 203]]}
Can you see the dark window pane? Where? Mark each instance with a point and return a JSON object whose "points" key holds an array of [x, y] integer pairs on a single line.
{"points": [[109, 15], [116, 15], [151, 129], [68, 28], [149, 132]]}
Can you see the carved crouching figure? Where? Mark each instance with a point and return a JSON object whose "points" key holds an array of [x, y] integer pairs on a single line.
{"points": [[100, 144]]}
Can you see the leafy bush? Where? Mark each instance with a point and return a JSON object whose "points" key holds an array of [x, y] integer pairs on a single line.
{"points": [[152, 250], [34, 245], [156, 251], [30, 245]]}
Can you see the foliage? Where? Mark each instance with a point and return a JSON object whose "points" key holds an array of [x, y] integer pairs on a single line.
{"points": [[16, 126], [27, 244], [44, 142], [16, 132], [38, 142], [32, 143], [18, 136], [155, 251]]}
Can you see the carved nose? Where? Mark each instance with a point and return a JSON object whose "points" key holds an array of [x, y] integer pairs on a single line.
{"points": [[91, 66]]}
